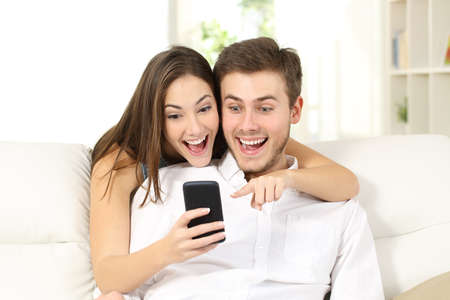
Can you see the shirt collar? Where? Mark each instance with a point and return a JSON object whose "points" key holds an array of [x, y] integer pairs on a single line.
{"points": [[229, 167]]}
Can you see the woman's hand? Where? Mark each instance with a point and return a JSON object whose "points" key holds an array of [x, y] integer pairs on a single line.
{"points": [[266, 188], [179, 242]]}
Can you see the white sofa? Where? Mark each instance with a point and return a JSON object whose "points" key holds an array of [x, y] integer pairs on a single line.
{"points": [[44, 207]]}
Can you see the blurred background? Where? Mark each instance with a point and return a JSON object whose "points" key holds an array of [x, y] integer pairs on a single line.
{"points": [[371, 67]]}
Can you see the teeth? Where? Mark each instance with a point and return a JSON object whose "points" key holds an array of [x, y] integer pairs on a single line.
{"points": [[196, 142], [259, 141]]}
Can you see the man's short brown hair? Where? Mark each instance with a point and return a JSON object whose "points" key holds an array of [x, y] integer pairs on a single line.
{"points": [[261, 54]]}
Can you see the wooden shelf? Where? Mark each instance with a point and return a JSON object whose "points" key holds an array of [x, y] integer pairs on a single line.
{"points": [[425, 82], [443, 70], [420, 71], [399, 72]]}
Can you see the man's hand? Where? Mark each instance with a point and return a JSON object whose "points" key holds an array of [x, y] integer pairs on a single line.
{"points": [[266, 188]]}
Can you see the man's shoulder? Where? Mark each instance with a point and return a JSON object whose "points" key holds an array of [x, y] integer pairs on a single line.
{"points": [[356, 210], [349, 208], [353, 216], [353, 206], [305, 204]]}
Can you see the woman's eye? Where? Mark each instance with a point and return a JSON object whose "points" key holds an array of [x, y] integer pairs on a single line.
{"points": [[173, 116], [205, 108]]}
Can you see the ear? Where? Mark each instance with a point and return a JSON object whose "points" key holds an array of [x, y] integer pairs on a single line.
{"points": [[296, 110]]}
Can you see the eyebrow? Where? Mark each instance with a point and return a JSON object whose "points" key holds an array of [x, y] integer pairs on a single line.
{"points": [[260, 99], [196, 103]]}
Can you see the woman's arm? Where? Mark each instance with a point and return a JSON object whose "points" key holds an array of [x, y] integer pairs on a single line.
{"points": [[317, 175], [114, 268], [320, 176]]}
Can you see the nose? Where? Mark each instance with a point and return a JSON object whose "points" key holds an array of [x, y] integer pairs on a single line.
{"points": [[194, 126], [249, 123]]}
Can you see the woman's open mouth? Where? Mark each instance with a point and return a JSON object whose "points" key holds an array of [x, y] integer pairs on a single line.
{"points": [[197, 147], [251, 146]]}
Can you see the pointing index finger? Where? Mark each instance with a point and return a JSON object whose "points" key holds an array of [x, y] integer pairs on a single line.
{"points": [[245, 190]]}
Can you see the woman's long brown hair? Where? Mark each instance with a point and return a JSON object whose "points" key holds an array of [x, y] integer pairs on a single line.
{"points": [[140, 130]]}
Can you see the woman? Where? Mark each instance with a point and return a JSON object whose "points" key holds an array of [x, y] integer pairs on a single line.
{"points": [[148, 131]]}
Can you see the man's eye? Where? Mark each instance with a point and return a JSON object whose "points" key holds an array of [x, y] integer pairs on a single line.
{"points": [[205, 108], [266, 109], [234, 108], [173, 116]]}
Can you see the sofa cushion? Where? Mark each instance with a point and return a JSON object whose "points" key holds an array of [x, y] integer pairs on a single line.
{"points": [[404, 179], [44, 231], [409, 259], [45, 193], [405, 189], [46, 271]]}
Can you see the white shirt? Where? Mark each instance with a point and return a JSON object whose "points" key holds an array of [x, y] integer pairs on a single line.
{"points": [[296, 248]]}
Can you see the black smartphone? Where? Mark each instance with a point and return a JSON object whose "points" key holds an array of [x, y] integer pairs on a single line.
{"points": [[199, 194]]}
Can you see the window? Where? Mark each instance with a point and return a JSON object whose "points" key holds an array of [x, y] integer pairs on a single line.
{"points": [[339, 44]]}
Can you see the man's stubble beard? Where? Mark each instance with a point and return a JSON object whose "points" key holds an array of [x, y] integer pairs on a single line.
{"points": [[277, 154]]}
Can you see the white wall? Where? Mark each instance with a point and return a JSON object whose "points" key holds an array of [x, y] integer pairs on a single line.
{"points": [[341, 48], [69, 68]]}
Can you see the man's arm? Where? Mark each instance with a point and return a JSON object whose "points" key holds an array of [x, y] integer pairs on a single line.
{"points": [[356, 274]]}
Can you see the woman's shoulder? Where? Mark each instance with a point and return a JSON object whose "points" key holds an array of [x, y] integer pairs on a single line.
{"points": [[121, 167], [113, 157]]}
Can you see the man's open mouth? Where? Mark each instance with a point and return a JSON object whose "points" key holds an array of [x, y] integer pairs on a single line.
{"points": [[198, 146], [251, 146]]}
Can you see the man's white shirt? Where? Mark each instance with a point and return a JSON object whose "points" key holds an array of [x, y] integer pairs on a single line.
{"points": [[295, 248]]}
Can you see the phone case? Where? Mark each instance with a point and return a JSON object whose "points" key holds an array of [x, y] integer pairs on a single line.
{"points": [[199, 194]]}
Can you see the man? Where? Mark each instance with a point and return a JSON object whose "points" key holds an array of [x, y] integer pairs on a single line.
{"points": [[295, 248]]}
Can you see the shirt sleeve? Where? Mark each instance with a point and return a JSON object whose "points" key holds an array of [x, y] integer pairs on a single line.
{"points": [[356, 274]]}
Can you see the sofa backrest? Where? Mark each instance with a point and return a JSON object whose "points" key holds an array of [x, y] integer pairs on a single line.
{"points": [[405, 189], [44, 210], [44, 222]]}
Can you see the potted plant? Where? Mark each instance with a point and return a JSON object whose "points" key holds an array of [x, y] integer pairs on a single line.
{"points": [[402, 113]]}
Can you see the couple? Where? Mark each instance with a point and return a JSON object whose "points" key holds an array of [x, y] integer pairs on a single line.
{"points": [[297, 247]]}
